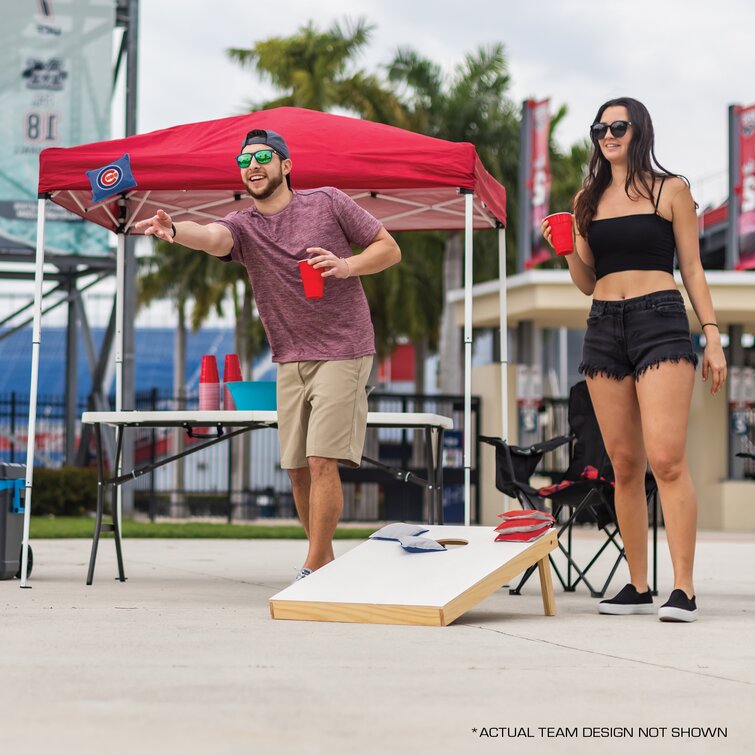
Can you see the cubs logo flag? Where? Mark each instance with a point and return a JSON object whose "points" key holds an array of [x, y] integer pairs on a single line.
{"points": [[111, 179]]}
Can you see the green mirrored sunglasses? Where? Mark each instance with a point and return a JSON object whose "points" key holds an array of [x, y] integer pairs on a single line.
{"points": [[262, 156]]}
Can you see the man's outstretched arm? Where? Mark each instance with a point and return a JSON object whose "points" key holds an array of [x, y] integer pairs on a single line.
{"points": [[213, 238]]}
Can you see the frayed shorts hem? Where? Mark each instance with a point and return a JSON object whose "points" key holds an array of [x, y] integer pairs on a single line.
{"points": [[614, 373]]}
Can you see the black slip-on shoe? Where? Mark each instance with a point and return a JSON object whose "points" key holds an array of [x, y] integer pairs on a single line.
{"points": [[627, 602], [678, 608]]}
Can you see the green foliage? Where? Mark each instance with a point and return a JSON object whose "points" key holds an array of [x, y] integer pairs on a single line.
{"points": [[471, 104], [406, 300], [83, 527], [185, 275], [315, 69], [567, 172], [68, 491]]}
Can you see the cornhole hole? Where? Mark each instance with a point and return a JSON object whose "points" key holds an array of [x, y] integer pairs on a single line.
{"points": [[378, 582]]}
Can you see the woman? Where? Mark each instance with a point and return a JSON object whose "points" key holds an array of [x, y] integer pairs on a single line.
{"points": [[630, 216]]}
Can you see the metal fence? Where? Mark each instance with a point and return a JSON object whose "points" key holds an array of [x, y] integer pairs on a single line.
{"points": [[242, 478], [743, 422], [214, 481], [554, 421], [50, 428]]}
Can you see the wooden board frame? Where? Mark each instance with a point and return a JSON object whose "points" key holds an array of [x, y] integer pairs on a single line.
{"points": [[373, 613]]}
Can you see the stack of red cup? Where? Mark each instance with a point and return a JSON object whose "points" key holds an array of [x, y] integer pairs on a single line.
{"points": [[231, 374], [209, 388], [209, 384]]}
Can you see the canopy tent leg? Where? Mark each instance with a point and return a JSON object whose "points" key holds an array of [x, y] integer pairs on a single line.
{"points": [[468, 267], [120, 286], [35, 342], [504, 333]]}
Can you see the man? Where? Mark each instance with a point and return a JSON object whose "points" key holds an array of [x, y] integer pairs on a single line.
{"points": [[325, 346]]}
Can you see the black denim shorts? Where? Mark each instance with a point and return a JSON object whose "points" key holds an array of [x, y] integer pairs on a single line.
{"points": [[628, 336]]}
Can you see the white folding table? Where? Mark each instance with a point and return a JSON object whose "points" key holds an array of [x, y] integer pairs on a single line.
{"points": [[227, 425]]}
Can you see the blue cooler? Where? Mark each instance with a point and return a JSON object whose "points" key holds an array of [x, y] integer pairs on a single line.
{"points": [[12, 488]]}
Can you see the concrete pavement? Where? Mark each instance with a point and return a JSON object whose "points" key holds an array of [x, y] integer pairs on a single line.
{"points": [[184, 658]]}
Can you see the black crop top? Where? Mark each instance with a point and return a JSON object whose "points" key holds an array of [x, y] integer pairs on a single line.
{"points": [[632, 242]]}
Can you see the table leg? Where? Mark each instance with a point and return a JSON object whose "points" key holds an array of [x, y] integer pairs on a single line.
{"points": [[438, 432], [100, 502], [432, 513], [116, 527], [546, 586]]}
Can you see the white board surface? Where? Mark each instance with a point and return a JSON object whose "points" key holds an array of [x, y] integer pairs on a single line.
{"points": [[382, 572]]}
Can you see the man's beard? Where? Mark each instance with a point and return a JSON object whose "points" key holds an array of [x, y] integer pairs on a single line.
{"points": [[273, 182]]}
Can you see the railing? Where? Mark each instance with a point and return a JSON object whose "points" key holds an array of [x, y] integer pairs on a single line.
{"points": [[49, 440], [553, 421], [745, 439], [214, 485]]}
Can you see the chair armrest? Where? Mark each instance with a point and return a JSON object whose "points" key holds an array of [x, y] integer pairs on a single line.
{"points": [[537, 448], [551, 444]]}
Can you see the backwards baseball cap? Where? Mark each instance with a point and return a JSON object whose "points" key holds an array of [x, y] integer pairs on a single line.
{"points": [[271, 138]]}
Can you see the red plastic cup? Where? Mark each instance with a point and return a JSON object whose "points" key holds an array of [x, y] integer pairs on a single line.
{"points": [[231, 374], [314, 284], [208, 372], [561, 232], [232, 369]]}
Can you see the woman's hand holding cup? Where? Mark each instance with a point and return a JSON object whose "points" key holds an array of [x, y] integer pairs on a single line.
{"points": [[558, 232]]}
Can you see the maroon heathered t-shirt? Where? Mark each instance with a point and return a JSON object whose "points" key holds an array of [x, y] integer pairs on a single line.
{"points": [[338, 326]]}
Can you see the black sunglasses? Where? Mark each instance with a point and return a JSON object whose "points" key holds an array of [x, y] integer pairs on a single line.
{"points": [[617, 128], [262, 156]]}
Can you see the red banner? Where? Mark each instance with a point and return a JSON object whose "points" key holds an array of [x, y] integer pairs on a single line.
{"points": [[746, 185], [540, 175]]}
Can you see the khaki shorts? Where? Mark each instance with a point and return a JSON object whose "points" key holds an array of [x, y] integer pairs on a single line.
{"points": [[322, 410]]}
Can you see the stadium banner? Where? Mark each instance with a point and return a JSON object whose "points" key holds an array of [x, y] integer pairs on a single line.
{"points": [[540, 176], [56, 77], [746, 185]]}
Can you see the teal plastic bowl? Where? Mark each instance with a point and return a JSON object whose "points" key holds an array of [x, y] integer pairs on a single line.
{"points": [[254, 395]]}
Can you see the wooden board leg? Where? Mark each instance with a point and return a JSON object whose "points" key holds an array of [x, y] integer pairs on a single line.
{"points": [[546, 586]]}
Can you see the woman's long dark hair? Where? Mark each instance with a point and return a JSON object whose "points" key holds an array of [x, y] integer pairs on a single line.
{"points": [[642, 166]]}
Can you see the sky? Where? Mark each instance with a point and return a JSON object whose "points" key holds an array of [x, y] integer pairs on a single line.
{"points": [[687, 60]]}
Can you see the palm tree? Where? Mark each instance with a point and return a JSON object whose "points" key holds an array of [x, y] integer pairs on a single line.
{"points": [[469, 105], [315, 69], [406, 300], [182, 275]]}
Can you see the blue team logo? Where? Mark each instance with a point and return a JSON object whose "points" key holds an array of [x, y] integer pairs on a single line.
{"points": [[111, 179]]}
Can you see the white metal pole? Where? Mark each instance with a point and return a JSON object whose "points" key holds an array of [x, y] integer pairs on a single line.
{"points": [[468, 430], [39, 271], [120, 277], [120, 284], [504, 328], [563, 362]]}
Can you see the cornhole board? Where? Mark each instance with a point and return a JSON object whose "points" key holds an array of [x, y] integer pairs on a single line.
{"points": [[378, 582]]}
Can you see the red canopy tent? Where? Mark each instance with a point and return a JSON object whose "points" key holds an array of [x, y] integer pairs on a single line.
{"points": [[409, 181]]}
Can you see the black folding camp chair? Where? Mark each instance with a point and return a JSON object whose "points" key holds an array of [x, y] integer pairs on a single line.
{"points": [[583, 493]]}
